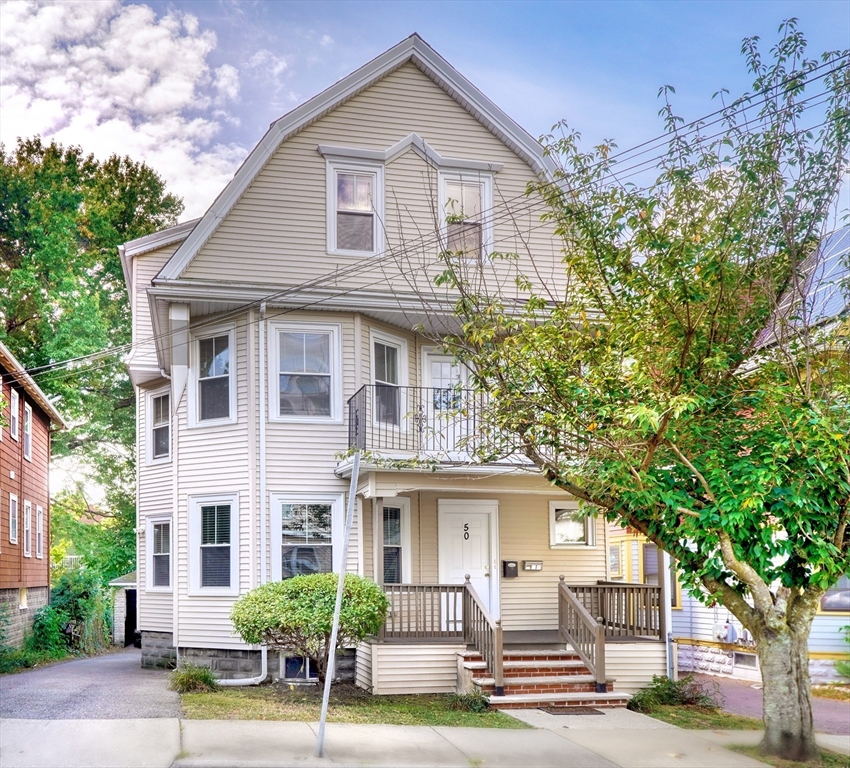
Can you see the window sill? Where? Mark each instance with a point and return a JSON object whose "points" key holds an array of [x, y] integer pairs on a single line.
{"points": [[212, 423], [362, 254], [303, 420], [159, 460]]}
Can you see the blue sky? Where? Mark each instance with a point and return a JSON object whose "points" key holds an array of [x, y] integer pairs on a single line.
{"points": [[192, 86]]}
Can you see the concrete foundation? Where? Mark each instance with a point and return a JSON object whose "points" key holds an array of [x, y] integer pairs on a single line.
{"points": [[18, 620], [158, 650]]}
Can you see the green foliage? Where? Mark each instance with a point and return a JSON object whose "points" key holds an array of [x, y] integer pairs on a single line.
{"points": [[842, 666], [190, 678], [62, 216], [86, 605], [48, 636], [473, 701], [685, 692], [296, 615]]}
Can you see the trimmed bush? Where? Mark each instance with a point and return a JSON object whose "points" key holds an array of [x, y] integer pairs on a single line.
{"points": [[189, 678], [295, 616]]}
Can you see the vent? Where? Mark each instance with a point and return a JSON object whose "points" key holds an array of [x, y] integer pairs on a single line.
{"points": [[746, 660]]}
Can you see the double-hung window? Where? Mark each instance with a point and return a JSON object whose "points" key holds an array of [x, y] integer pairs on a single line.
{"points": [[159, 416], [466, 203], [355, 208], [386, 383], [307, 529], [305, 372], [14, 411], [39, 531], [13, 519], [159, 562], [27, 529], [27, 431], [214, 545], [214, 374], [396, 532]]}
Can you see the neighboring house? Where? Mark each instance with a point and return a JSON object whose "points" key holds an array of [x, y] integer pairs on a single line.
{"points": [[124, 611], [710, 640], [25, 429], [279, 330]]}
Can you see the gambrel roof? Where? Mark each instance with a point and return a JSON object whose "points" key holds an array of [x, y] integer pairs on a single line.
{"points": [[412, 50]]}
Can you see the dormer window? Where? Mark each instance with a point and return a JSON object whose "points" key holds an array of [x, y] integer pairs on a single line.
{"points": [[355, 207], [466, 200]]}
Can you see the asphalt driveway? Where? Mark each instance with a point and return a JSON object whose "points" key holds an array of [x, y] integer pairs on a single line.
{"points": [[105, 688]]}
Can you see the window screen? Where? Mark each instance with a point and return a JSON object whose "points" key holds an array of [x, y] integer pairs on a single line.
{"points": [[160, 420], [215, 545], [392, 545], [305, 374], [214, 378], [306, 539], [162, 554], [355, 217], [837, 597]]}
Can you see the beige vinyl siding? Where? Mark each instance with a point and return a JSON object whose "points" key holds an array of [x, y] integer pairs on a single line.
{"points": [[146, 266], [402, 668], [363, 666], [632, 665], [276, 234]]}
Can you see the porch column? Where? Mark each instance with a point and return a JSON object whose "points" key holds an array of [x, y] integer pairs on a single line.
{"points": [[663, 583], [378, 538]]}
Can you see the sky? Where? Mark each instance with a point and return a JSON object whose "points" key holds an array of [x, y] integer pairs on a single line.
{"points": [[190, 87]]}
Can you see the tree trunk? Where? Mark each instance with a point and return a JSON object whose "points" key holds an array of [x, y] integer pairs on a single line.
{"points": [[784, 658]]}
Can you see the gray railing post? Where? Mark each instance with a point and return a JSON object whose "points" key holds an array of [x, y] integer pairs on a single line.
{"points": [[498, 661], [601, 680]]}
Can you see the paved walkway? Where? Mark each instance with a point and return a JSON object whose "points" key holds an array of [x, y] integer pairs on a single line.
{"points": [[742, 698], [104, 687]]}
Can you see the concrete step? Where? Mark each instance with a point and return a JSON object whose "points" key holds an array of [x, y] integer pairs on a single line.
{"points": [[577, 699], [534, 668]]}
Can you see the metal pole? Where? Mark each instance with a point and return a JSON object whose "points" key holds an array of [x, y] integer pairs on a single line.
{"points": [[329, 672]]}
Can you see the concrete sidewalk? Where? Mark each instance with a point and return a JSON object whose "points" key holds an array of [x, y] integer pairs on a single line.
{"points": [[617, 739]]}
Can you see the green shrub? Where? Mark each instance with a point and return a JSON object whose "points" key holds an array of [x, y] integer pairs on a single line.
{"points": [[47, 636], [474, 701], [87, 606], [842, 666], [296, 615], [189, 678], [684, 692]]}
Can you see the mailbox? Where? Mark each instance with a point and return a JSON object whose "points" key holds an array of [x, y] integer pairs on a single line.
{"points": [[532, 565], [510, 569]]}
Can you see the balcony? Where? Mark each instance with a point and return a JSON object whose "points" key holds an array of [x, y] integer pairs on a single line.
{"points": [[444, 423]]}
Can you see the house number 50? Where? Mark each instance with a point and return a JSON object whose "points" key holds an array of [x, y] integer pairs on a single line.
{"points": [[466, 531]]}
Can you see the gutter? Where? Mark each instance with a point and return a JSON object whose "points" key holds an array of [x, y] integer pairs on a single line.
{"points": [[263, 502]]}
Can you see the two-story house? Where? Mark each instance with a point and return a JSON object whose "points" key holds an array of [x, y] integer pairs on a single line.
{"points": [[28, 418], [295, 320]]}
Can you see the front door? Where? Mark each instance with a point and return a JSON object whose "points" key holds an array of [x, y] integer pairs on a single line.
{"points": [[466, 535]]}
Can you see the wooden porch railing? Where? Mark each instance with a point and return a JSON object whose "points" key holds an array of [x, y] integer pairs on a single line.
{"points": [[587, 635], [485, 633], [445, 612], [424, 611], [626, 610]]}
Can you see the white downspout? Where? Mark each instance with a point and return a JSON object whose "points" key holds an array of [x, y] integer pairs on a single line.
{"points": [[261, 365]]}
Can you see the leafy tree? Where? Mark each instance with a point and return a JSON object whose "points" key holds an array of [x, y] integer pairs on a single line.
{"points": [[670, 386], [296, 615], [62, 293]]}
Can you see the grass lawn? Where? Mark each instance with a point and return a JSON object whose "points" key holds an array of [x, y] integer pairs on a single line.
{"points": [[837, 691], [827, 759], [704, 718], [348, 704]]}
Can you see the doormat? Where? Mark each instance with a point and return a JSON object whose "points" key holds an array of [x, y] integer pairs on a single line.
{"points": [[571, 710]]}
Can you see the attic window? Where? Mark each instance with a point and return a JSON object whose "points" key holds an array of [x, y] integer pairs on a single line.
{"points": [[355, 201], [466, 200]]}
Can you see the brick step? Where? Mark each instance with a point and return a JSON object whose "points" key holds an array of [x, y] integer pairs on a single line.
{"points": [[534, 700], [533, 668], [547, 685]]}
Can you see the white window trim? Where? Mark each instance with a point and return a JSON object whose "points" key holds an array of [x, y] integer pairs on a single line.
{"points": [[406, 550], [589, 527], [336, 500], [335, 330], [195, 504], [399, 343], [486, 181], [195, 422], [336, 165], [27, 528], [27, 431], [149, 397], [14, 413], [14, 518], [39, 532], [151, 521]]}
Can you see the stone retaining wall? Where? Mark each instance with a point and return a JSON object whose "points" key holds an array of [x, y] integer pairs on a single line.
{"points": [[158, 650], [17, 620]]}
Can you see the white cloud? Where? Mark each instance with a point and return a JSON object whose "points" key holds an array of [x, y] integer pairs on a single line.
{"points": [[266, 64], [326, 41], [115, 78]]}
